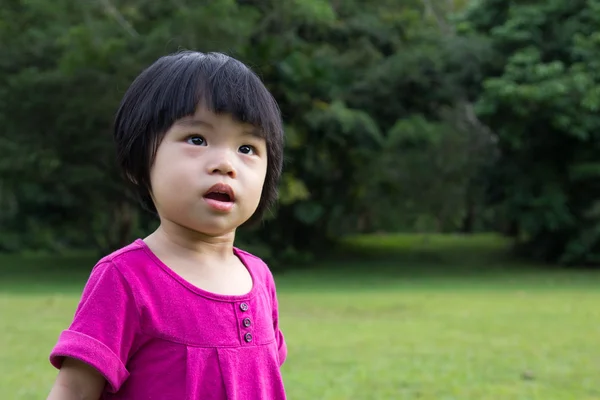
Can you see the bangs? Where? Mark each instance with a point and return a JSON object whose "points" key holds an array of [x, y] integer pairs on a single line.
{"points": [[216, 82]]}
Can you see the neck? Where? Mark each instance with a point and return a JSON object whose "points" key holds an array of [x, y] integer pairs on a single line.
{"points": [[176, 239]]}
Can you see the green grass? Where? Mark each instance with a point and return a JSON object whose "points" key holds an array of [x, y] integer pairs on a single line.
{"points": [[442, 317]]}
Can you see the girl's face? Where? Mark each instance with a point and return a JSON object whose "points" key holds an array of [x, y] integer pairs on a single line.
{"points": [[208, 173]]}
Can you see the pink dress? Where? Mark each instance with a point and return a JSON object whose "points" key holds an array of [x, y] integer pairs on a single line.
{"points": [[153, 335]]}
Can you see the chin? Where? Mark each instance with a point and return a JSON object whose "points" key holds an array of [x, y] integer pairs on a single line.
{"points": [[215, 227], [210, 224], [213, 230]]}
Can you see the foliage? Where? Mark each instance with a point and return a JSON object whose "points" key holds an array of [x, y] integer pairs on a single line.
{"points": [[371, 93], [541, 95]]}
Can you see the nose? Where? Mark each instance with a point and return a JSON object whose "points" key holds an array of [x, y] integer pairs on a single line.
{"points": [[221, 165]]}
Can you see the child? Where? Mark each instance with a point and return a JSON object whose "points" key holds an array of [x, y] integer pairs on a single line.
{"points": [[182, 314]]}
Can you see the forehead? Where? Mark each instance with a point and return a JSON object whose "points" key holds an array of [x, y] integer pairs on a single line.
{"points": [[207, 119]]}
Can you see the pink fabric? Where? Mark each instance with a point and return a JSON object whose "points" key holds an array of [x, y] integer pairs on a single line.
{"points": [[153, 335]]}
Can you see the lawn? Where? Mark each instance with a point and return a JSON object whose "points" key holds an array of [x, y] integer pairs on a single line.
{"points": [[413, 318]]}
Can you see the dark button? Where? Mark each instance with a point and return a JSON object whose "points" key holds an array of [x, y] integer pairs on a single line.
{"points": [[248, 337], [247, 322], [244, 307]]}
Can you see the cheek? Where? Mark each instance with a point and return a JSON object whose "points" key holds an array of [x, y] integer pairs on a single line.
{"points": [[255, 183], [169, 175], [261, 175], [159, 173]]}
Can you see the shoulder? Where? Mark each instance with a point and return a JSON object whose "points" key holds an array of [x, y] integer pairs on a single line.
{"points": [[258, 266], [249, 256], [114, 266], [128, 260], [129, 254], [124, 268]]}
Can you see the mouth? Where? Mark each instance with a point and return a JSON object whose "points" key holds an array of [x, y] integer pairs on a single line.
{"points": [[220, 192]]}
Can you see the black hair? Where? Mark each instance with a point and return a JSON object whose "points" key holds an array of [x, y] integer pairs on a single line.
{"points": [[173, 87]]}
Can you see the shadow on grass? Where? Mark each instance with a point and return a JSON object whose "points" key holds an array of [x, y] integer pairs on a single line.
{"points": [[44, 273], [373, 262], [377, 262]]}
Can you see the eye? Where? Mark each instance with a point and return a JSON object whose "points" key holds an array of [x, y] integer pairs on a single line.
{"points": [[196, 140], [247, 149]]}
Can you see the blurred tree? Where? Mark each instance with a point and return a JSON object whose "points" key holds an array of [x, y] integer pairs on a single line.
{"points": [[541, 95], [371, 94]]}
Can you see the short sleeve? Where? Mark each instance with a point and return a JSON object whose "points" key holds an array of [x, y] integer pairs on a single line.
{"points": [[104, 327]]}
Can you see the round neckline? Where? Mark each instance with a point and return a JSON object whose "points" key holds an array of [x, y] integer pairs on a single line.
{"points": [[195, 289]]}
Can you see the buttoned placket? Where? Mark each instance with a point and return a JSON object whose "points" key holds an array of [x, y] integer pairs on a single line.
{"points": [[245, 322]]}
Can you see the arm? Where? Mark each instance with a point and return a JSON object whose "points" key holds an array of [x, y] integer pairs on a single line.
{"points": [[77, 381], [93, 352]]}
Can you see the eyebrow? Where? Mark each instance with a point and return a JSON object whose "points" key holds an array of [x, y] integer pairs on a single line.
{"points": [[195, 123]]}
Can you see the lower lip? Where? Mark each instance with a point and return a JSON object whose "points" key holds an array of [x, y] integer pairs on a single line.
{"points": [[217, 205]]}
